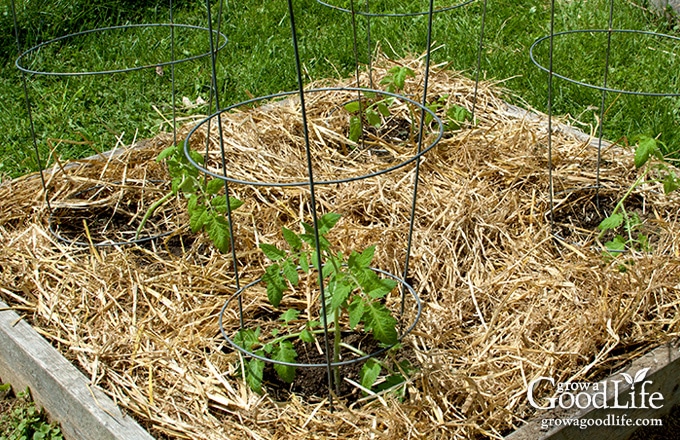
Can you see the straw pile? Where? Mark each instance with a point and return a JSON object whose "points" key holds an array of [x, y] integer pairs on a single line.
{"points": [[503, 301]]}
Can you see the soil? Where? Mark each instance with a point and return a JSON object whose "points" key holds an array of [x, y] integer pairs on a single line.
{"points": [[587, 209], [311, 383], [102, 223], [114, 221]]}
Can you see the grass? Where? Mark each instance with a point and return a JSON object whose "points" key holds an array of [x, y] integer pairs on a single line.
{"points": [[20, 419], [77, 116]]}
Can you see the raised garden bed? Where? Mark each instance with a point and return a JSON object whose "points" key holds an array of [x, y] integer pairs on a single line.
{"points": [[504, 301]]}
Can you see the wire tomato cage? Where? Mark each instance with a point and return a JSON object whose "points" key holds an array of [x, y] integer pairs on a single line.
{"points": [[300, 98], [153, 46], [612, 71]]}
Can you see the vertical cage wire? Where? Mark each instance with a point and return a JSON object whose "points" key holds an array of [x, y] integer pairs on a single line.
{"points": [[605, 87], [313, 182], [25, 63]]}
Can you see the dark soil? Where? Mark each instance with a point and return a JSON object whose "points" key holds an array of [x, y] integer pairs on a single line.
{"points": [[116, 221], [586, 209], [103, 223], [311, 383]]}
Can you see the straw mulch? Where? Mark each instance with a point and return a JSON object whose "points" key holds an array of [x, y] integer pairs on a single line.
{"points": [[503, 302]]}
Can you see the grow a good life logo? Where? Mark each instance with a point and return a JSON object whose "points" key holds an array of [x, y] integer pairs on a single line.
{"points": [[582, 395]]}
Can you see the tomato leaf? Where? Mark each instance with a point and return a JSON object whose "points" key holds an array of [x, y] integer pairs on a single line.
{"points": [[356, 312], [218, 231], [355, 128], [272, 252], [292, 239], [353, 106], [327, 221], [167, 152], [198, 217], [381, 323], [289, 315], [254, 374], [369, 373], [285, 352], [646, 147], [611, 222], [670, 183], [290, 271], [214, 186]]}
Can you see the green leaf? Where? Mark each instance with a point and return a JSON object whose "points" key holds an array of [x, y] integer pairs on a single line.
{"points": [[272, 252], [327, 221], [290, 271], [254, 374], [187, 184], [382, 288], [197, 157], [328, 268], [433, 108], [235, 203], [353, 106], [219, 204], [643, 240], [373, 118], [670, 183], [192, 202], [307, 336], [339, 292], [611, 222], [214, 186], [616, 245], [289, 315], [304, 264], [292, 239], [381, 323], [390, 381], [275, 283], [646, 147], [218, 231], [458, 113], [167, 152], [315, 260], [632, 222], [324, 244], [371, 283], [355, 128], [198, 217], [309, 239], [247, 338], [356, 312], [369, 373], [309, 229], [362, 260], [383, 109], [285, 352]]}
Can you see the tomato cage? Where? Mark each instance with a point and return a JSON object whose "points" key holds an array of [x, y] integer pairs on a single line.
{"points": [[595, 206], [107, 209]]}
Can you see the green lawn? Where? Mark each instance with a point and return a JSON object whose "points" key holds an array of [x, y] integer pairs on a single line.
{"points": [[76, 116]]}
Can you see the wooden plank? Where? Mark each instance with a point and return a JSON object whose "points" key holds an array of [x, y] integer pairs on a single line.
{"points": [[663, 5], [662, 376], [84, 411]]}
